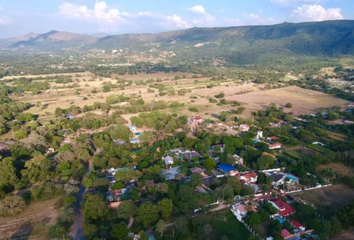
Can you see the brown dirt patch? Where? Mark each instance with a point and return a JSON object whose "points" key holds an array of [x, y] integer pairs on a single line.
{"points": [[34, 221]]}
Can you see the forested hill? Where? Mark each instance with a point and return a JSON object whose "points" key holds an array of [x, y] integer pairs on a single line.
{"points": [[246, 44]]}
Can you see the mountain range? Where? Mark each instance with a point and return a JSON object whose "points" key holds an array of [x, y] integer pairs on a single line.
{"points": [[328, 38]]}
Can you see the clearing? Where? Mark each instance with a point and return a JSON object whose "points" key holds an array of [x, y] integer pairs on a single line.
{"points": [[327, 200], [32, 224], [303, 100], [338, 168]]}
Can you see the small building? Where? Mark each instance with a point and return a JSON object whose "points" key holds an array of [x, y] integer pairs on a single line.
{"points": [[259, 134], [283, 208], [172, 173], [249, 178], [244, 128], [197, 119], [285, 234], [278, 179], [272, 138], [297, 225], [269, 155], [69, 116], [238, 159], [169, 161], [132, 128], [115, 195], [274, 146], [201, 171], [135, 141], [228, 169]]}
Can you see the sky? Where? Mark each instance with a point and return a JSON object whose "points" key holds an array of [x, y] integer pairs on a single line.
{"points": [[20, 17]]}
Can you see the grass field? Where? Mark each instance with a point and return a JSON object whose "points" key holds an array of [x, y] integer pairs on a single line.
{"points": [[328, 200], [320, 148], [226, 224], [32, 224], [252, 96], [338, 168]]}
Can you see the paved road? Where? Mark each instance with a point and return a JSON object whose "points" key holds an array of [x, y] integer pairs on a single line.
{"points": [[77, 229]]}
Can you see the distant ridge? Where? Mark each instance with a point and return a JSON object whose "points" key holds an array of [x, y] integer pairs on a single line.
{"points": [[245, 43]]}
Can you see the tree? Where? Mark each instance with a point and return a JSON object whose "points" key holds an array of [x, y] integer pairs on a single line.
{"points": [[181, 225], [128, 175], [147, 213], [94, 207], [165, 207], [253, 219], [196, 179], [209, 164], [235, 184], [12, 205], [161, 187], [8, 175], [161, 226], [289, 105], [38, 169], [119, 231], [126, 210], [266, 162]]}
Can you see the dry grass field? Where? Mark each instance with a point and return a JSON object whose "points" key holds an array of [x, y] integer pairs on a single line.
{"points": [[329, 199], [32, 224], [338, 168], [303, 100], [252, 96]]}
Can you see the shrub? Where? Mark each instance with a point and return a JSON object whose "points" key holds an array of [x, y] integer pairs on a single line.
{"points": [[193, 109]]}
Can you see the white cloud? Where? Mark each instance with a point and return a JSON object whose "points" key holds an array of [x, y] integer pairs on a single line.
{"points": [[111, 19], [295, 1], [4, 19], [316, 13], [197, 9], [204, 19]]}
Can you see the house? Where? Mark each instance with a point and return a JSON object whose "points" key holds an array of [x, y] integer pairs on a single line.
{"points": [[197, 119], [274, 146], [201, 171], [168, 161], [135, 141], [278, 179], [241, 210], [217, 149], [238, 159], [69, 116], [272, 138], [228, 169], [285, 234], [268, 155], [177, 150], [132, 128], [244, 128], [115, 195], [249, 178], [297, 225], [172, 173], [189, 155], [283, 208], [259, 134]]}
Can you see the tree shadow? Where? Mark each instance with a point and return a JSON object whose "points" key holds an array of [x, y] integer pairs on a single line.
{"points": [[23, 233]]}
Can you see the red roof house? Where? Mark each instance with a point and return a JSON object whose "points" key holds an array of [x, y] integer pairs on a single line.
{"points": [[285, 233], [283, 208]]}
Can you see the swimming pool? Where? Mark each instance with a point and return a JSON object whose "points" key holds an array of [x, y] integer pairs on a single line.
{"points": [[292, 178]]}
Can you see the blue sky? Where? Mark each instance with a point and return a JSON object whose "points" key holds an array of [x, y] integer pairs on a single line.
{"points": [[19, 17]]}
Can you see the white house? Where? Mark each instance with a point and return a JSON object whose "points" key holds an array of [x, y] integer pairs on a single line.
{"points": [[132, 128], [168, 161]]}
